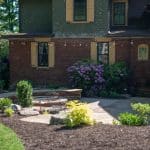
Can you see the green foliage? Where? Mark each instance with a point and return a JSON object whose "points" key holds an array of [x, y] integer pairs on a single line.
{"points": [[131, 119], [4, 69], [9, 15], [24, 93], [9, 140], [8, 112], [141, 116], [5, 103], [79, 114], [143, 110], [4, 48], [116, 77]]}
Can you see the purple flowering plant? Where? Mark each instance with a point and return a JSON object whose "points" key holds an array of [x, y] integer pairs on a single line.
{"points": [[88, 76]]}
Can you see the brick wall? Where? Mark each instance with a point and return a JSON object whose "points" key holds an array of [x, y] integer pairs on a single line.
{"points": [[127, 50], [67, 52]]}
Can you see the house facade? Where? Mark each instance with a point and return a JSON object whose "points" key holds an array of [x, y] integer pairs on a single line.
{"points": [[54, 34]]}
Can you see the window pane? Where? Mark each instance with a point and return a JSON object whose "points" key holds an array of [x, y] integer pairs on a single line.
{"points": [[80, 10], [43, 54], [103, 52], [119, 13]]}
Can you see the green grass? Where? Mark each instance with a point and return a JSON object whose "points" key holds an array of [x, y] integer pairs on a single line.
{"points": [[9, 140]]}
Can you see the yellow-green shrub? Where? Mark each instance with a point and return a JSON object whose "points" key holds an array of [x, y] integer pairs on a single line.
{"points": [[79, 114], [8, 112]]}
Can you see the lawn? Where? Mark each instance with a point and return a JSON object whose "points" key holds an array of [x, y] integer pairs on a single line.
{"points": [[9, 140]]}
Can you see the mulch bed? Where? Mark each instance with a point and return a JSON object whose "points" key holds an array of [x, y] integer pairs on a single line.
{"points": [[99, 137]]}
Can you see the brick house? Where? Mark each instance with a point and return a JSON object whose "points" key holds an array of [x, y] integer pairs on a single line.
{"points": [[56, 33]]}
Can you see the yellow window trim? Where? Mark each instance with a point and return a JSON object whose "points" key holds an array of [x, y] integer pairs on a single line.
{"points": [[70, 12], [34, 54], [146, 57], [112, 49], [126, 9], [42, 39]]}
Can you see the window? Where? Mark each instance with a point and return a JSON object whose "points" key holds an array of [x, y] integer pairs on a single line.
{"points": [[80, 10], [143, 52], [43, 54], [119, 13], [103, 52]]}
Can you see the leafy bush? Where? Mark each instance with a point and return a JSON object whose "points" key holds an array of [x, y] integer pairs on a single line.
{"points": [[24, 93], [79, 114], [86, 76], [4, 69], [4, 103], [8, 112], [116, 77], [131, 119], [143, 110]]}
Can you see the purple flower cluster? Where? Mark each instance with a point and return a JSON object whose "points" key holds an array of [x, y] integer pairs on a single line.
{"points": [[87, 76]]}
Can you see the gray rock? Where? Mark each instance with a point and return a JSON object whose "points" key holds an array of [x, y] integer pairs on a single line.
{"points": [[28, 112], [57, 119], [16, 107]]}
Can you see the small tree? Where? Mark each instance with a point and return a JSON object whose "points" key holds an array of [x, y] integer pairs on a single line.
{"points": [[24, 93]]}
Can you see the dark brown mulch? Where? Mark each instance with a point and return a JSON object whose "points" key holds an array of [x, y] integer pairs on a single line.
{"points": [[99, 137]]}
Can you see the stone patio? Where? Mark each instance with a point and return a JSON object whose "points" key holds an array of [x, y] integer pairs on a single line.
{"points": [[105, 110]]}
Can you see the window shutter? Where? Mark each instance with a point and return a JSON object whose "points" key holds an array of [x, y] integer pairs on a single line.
{"points": [[34, 54], [112, 52], [94, 51], [51, 54], [69, 11], [90, 10]]}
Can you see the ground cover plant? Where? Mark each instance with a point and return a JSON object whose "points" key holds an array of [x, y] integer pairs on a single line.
{"points": [[9, 140], [24, 93], [5, 103], [141, 115]]}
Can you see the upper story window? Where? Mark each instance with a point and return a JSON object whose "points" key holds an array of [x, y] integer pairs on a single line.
{"points": [[103, 52], [80, 10], [43, 54], [119, 12]]}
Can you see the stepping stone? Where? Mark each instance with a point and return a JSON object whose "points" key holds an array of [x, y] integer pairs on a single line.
{"points": [[44, 119], [28, 112]]}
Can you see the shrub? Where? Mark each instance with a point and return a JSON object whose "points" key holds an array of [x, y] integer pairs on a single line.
{"points": [[116, 77], [8, 112], [4, 103], [143, 111], [4, 69], [131, 119], [79, 114], [24, 93], [87, 76]]}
